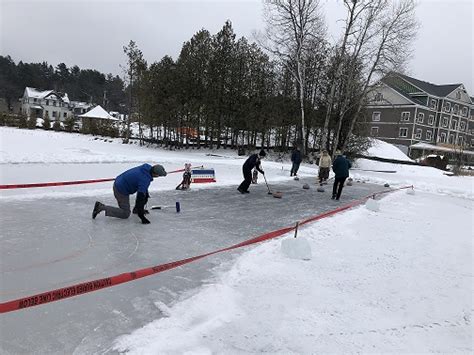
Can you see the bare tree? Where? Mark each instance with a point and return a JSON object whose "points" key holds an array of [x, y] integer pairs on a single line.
{"points": [[292, 28], [376, 40], [387, 31], [353, 12]]}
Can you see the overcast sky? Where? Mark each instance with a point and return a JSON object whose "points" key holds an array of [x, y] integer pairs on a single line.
{"points": [[91, 34]]}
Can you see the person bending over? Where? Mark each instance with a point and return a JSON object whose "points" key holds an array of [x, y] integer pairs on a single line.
{"points": [[135, 180], [253, 161]]}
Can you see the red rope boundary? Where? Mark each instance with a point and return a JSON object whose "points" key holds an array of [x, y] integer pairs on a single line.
{"points": [[64, 183], [90, 286]]}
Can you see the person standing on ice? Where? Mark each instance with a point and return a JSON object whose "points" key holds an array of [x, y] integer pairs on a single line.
{"points": [[341, 167], [135, 180], [324, 165], [296, 160], [253, 161]]}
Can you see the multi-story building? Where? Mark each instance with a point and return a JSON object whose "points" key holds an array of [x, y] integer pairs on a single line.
{"points": [[418, 116], [52, 104]]}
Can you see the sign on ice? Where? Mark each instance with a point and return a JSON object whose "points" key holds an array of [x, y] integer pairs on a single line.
{"points": [[203, 175]]}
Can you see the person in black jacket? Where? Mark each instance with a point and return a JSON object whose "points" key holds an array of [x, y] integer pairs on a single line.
{"points": [[341, 167], [252, 162], [296, 160]]}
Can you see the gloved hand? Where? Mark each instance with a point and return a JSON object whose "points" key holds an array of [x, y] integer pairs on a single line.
{"points": [[136, 212], [144, 220]]}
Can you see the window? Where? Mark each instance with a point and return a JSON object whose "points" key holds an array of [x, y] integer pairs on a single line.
{"points": [[376, 116], [451, 139], [429, 135], [447, 107], [54, 113], [456, 109], [34, 100], [431, 120], [433, 103], [462, 126], [472, 142], [418, 133], [445, 121], [54, 103], [458, 94], [65, 114], [378, 97], [454, 124], [405, 116], [421, 117], [403, 132], [374, 131], [47, 102], [442, 137], [460, 140], [464, 111]]}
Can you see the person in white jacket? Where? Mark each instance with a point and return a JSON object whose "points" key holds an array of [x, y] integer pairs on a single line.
{"points": [[325, 163]]}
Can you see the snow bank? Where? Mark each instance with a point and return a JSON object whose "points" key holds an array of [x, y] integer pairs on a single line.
{"points": [[386, 150]]}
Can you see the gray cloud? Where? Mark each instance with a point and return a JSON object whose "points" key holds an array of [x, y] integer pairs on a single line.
{"points": [[91, 34]]}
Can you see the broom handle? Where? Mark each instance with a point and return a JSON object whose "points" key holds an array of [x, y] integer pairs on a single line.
{"points": [[266, 183]]}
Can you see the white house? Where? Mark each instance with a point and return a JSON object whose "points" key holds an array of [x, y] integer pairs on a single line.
{"points": [[52, 104], [42, 104]]}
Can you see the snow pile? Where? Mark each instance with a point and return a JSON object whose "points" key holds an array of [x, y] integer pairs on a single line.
{"points": [[386, 150]]}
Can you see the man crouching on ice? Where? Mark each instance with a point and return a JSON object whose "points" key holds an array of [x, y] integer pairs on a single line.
{"points": [[137, 180]]}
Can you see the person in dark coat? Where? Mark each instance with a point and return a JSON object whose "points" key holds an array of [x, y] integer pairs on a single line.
{"points": [[341, 167], [253, 161], [135, 180], [296, 160]]}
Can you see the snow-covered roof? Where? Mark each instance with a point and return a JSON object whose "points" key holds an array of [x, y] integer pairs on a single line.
{"points": [[98, 112], [41, 94], [37, 94], [426, 146]]}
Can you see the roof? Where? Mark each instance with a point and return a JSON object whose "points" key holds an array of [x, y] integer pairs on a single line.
{"points": [[426, 146], [416, 86], [41, 94], [38, 94], [437, 90], [98, 112]]}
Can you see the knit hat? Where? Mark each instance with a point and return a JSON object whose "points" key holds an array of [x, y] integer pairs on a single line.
{"points": [[262, 153], [158, 170], [337, 152]]}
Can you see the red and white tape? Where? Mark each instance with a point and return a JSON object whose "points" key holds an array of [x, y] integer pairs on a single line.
{"points": [[64, 183]]}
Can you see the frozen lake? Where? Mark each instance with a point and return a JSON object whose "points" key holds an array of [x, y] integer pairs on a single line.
{"points": [[52, 242]]}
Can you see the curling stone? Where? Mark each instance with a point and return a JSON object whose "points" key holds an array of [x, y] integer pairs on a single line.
{"points": [[277, 194]]}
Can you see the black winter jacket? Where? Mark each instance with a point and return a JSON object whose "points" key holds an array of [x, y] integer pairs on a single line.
{"points": [[253, 161]]}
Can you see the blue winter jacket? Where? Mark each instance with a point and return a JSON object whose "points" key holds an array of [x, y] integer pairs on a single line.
{"points": [[135, 179], [341, 166]]}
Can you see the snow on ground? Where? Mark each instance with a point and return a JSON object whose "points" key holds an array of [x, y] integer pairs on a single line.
{"points": [[398, 280]]}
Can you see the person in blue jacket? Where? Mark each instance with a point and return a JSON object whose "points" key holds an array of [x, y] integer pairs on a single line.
{"points": [[296, 160], [252, 161], [135, 180], [340, 166]]}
